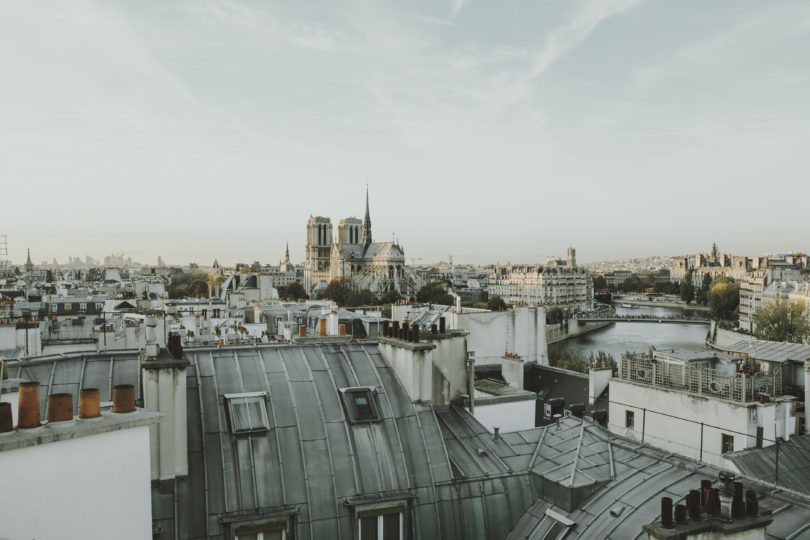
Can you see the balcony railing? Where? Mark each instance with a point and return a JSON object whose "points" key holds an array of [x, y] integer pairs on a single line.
{"points": [[741, 387]]}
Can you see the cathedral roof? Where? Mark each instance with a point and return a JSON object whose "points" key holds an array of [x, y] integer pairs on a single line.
{"points": [[376, 250]]}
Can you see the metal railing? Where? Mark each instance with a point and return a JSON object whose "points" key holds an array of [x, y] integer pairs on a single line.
{"points": [[741, 387]]}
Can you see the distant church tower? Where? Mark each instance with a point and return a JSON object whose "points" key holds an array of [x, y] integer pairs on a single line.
{"points": [[367, 225], [318, 251], [572, 257], [287, 256], [29, 266]]}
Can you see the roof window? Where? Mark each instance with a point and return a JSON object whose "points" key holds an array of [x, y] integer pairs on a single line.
{"points": [[248, 412], [361, 404]]}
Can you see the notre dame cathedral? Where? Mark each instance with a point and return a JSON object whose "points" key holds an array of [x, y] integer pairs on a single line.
{"points": [[377, 266]]}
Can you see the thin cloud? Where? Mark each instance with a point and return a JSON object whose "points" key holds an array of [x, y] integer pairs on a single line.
{"points": [[571, 35]]}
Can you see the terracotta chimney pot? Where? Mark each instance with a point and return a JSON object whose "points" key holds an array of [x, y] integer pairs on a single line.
{"points": [[89, 403], [28, 407], [123, 398], [6, 420], [60, 407]]}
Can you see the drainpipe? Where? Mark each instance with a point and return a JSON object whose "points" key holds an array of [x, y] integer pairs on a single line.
{"points": [[471, 379], [807, 397]]}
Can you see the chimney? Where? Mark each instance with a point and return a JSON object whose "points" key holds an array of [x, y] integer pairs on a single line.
{"points": [[28, 408], [341, 329], [123, 398], [442, 325], [152, 347], [6, 420], [89, 403], [321, 327], [666, 512], [302, 330], [60, 407], [164, 391]]}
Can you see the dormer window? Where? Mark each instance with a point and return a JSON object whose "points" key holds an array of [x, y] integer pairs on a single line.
{"points": [[248, 413], [361, 404]]}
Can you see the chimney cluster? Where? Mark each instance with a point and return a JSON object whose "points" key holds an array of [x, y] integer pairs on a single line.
{"points": [[404, 332], [709, 508], [512, 355], [60, 406]]}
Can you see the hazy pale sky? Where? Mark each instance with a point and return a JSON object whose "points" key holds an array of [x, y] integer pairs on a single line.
{"points": [[489, 130]]}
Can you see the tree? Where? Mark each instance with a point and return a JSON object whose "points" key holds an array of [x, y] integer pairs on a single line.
{"points": [[782, 321], [338, 291], [436, 292], [292, 291], [496, 303], [363, 297], [554, 316], [724, 298], [599, 282], [390, 297], [702, 293], [687, 289]]}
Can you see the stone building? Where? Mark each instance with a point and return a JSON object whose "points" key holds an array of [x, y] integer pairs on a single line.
{"points": [[557, 284], [377, 266]]}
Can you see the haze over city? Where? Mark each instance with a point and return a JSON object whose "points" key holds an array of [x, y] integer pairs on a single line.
{"points": [[489, 131]]}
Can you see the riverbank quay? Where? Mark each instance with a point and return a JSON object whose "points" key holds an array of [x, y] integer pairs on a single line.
{"points": [[644, 301]]}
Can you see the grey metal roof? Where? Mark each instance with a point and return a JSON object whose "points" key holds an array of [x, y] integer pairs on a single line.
{"points": [[794, 463], [771, 351], [627, 481], [312, 461]]}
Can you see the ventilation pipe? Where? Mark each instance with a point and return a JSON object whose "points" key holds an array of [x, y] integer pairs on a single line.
{"points": [[470, 378]]}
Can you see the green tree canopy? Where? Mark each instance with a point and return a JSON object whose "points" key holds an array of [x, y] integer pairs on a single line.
{"points": [[782, 321], [496, 303], [337, 291], [363, 297], [599, 282], [292, 291], [687, 289], [554, 315], [724, 298], [436, 292]]}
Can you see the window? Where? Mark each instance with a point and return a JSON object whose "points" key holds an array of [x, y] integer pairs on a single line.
{"points": [[381, 523], [361, 404], [629, 419], [248, 412], [271, 531], [83, 308], [68, 307], [727, 443]]}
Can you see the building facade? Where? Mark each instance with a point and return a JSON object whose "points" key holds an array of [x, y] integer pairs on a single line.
{"points": [[557, 284]]}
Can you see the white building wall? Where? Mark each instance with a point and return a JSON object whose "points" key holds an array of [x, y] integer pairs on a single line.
{"points": [[94, 487], [682, 434], [510, 416], [521, 331]]}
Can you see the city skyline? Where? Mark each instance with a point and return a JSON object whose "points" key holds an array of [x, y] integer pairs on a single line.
{"points": [[196, 132]]}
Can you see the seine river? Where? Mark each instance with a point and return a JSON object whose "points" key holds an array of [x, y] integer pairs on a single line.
{"points": [[638, 337]]}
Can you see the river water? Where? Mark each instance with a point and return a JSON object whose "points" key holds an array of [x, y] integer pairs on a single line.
{"points": [[638, 337]]}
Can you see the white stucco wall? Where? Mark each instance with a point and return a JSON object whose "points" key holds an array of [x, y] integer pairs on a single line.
{"points": [[521, 330], [510, 416], [682, 434], [94, 487]]}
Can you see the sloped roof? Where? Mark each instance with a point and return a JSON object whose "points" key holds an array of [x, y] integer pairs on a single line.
{"points": [[794, 463], [771, 351]]}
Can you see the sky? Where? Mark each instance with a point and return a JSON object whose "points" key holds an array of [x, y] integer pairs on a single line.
{"points": [[491, 131]]}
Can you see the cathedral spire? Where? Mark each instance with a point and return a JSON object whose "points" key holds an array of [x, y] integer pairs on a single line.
{"points": [[29, 266], [287, 254], [367, 224]]}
